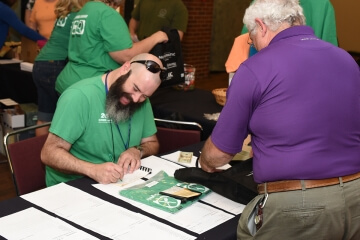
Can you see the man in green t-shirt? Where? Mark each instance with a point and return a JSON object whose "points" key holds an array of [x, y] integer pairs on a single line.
{"points": [[104, 125], [150, 16]]}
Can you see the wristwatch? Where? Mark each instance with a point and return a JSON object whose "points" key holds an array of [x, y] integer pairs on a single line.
{"points": [[140, 148]]}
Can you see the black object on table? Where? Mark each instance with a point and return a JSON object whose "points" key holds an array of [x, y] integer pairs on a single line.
{"points": [[17, 84], [172, 104]]}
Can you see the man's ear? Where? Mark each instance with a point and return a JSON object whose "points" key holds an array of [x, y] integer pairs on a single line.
{"points": [[262, 27], [126, 67]]}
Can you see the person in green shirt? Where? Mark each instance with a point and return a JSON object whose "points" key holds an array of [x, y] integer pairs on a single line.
{"points": [[52, 59], [104, 125], [100, 41], [150, 16]]}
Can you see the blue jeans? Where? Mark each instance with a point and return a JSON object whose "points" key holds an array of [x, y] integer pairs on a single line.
{"points": [[45, 74], [328, 213]]}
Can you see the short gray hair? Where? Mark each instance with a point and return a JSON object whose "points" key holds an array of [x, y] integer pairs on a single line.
{"points": [[274, 13]]}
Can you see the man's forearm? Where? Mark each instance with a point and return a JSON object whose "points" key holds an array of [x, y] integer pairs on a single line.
{"points": [[63, 161], [150, 148], [55, 154], [133, 25], [212, 157]]}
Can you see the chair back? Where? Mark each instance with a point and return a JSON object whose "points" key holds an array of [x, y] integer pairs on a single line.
{"points": [[171, 138], [27, 170]]}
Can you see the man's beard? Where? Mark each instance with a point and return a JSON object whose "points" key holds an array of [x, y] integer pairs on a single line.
{"points": [[114, 109]]}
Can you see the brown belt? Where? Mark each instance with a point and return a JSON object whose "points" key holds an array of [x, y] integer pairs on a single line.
{"points": [[291, 185]]}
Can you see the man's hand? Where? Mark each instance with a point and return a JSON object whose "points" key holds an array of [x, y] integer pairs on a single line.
{"points": [[212, 157], [160, 37], [129, 160], [106, 172], [206, 167], [134, 38]]}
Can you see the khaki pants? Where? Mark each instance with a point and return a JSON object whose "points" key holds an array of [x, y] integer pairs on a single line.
{"points": [[331, 212]]}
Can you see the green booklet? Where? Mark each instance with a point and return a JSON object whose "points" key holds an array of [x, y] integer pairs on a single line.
{"points": [[166, 193]]}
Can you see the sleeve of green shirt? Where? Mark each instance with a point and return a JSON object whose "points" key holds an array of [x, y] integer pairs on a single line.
{"points": [[68, 115], [116, 36]]}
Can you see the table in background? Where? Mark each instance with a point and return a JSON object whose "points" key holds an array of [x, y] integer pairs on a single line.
{"points": [[224, 231], [168, 103], [17, 84]]}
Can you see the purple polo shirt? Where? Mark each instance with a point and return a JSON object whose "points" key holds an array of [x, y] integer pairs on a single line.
{"points": [[300, 99]]}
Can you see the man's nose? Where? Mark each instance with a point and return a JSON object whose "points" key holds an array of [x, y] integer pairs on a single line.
{"points": [[136, 97]]}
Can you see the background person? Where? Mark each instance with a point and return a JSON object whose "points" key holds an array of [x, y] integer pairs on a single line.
{"points": [[9, 19], [99, 42], [150, 16], [104, 125], [28, 8], [298, 98], [52, 60], [42, 18]]}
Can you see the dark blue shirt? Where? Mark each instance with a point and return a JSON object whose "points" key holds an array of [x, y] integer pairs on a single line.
{"points": [[8, 19]]}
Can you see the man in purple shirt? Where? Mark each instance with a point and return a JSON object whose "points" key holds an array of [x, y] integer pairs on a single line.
{"points": [[299, 98]]}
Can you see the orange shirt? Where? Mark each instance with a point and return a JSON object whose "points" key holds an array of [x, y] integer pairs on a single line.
{"points": [[43, 16], [239, 53]]}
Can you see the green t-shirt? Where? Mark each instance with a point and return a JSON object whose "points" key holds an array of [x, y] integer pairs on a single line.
{"points": [[96, 30], [320, 15], [153, 15], [56, 48], [80, 119]]}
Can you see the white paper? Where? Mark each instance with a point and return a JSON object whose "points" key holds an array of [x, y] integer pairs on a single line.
{"points": [[63, 200], [26, 66], [155, 163], [105, 218], [132, 178], [184, 218], [158, 164], [199, 217], [224, 203], [8, 102], [119, 223], [34, 224], [175, 156]]}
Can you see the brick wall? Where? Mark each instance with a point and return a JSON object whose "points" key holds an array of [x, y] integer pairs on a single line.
{"points": [[197, 39]]}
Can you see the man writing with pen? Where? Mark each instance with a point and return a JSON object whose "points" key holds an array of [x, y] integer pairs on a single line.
{"points": [[104, 125]]}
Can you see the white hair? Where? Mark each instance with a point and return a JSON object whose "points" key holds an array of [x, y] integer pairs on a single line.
{"points": [[274, 13]]}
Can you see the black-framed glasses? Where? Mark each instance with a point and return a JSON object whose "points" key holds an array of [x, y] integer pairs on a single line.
{"points": [[153, 67]]}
